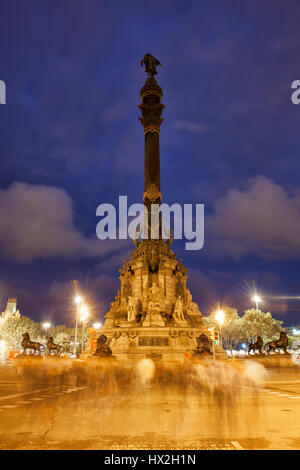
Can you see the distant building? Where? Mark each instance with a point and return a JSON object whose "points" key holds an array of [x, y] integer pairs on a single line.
{"points": [[11, 309]]}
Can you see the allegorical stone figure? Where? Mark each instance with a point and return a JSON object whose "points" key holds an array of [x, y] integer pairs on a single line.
{"points": [[131, 309], [150, 63]]}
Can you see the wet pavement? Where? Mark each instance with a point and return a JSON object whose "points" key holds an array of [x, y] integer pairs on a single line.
{"points": [[65, 405]]}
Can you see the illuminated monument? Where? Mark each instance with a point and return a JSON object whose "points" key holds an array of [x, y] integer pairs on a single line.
{"points": [[11, 310], [153, 314]]}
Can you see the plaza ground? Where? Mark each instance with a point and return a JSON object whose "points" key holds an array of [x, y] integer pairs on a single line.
{"points": [[67, 407]]}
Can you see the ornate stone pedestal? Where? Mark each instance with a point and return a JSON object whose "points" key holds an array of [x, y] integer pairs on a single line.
{"points": [[153, 314]]}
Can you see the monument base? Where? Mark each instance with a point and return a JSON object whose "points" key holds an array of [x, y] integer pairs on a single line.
{"points": [[162, 343]]}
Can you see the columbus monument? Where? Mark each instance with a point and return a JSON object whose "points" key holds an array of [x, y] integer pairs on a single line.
{"points": [[153, 314]]}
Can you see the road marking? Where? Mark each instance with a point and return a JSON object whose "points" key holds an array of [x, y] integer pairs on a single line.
{"points": [[286, 395], [37, 399], [237, 445], [283, 382], [14, 395], [9, 406]]}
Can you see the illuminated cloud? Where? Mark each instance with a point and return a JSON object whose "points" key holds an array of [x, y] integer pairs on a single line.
{"points": [[262, 220], [37, 221]]}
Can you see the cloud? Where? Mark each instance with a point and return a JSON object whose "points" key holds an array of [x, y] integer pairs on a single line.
{"points": [[191, 126], [262, 220], [37, 221], [97, 292]]}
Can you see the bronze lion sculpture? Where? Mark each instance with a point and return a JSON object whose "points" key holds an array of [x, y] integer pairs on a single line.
{"points": [[102, 350], [53, 347], [204, 346], [257, 346], [280, 343], [28, 344]]}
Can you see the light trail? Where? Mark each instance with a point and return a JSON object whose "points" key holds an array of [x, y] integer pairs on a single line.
{"points": [[282, 297]]}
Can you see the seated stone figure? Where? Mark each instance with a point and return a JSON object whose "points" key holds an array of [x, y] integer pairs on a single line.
{"points": [[154, 308], [103, 350], [204, 346]]}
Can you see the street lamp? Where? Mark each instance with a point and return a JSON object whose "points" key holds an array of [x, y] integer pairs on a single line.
{"points": [[220, 317], [78, 301], [46, 326], [83, 314], [256, 299], [97, 325]]}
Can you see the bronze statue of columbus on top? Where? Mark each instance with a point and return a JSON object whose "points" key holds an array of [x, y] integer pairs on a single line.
{"points": [[150, 63]]}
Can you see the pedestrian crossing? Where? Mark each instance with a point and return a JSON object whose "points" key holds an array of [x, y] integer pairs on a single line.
{"points": [[30, 400], [280, 394]]}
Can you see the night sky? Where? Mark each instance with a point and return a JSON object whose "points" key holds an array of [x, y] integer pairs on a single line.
{"points": [[70, 140]]}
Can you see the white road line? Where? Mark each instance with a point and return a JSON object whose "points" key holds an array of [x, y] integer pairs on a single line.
{"points": [[283, 395], [36, 399], [9, 406], [8, 397], [237, 445], [283, 382]]}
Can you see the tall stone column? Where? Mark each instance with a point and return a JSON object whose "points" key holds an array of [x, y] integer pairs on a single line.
{"points": [[151, 108]]}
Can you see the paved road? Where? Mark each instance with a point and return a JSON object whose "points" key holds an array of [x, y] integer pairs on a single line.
{"points": [[65, 408]]}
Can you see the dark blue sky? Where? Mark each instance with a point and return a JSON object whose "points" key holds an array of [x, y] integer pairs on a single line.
{"points": [[70, 140]]}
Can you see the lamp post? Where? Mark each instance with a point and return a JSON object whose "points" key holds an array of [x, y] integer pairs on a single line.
{"points": [[256, 299], [220, 317], [46, 326], [78, 301], [83, 315]]}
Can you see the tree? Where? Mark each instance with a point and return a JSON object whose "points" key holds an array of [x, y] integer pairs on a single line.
{"points": [[255, 322], [231, 330], [54, 330], [64, 340], [12, 328]]}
